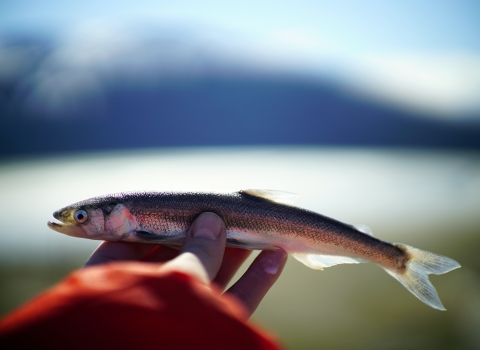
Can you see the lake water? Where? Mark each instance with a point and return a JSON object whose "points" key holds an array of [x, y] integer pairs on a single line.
{"points": [[399, 194]]}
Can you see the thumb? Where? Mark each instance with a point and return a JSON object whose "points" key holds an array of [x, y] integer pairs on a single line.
{"points": [[202, 252]]}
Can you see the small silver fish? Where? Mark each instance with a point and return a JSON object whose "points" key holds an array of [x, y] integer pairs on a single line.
{"points": [[255, 219]]}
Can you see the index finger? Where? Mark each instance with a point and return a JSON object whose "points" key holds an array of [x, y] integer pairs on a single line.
{"points": [[118, 251]]}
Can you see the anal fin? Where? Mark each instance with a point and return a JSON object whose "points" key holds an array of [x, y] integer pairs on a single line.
{"points": [[320, 261]]}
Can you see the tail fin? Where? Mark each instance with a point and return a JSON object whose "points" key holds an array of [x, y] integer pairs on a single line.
{"points": [[418, 267]]}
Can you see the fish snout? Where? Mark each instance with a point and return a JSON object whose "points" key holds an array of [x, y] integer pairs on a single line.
{"points": [[57, 215], [64, 215]]}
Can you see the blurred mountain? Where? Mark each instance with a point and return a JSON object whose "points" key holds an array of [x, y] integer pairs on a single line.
{"points": [[49, 110]]}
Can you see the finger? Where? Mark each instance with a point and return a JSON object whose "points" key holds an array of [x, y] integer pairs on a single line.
{"points": [[202, 252], [160, 254], [233, 258], [257, 280], [118, 251]]}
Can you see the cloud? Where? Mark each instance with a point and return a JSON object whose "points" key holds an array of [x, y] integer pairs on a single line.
{"points": [[440, 84], [445, 85]]}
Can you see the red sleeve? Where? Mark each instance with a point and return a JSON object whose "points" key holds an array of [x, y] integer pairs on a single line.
{"points": [[131, 306]]}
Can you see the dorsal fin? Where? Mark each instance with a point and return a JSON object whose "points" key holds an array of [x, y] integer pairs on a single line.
{"points": [[364, 229], [271, 195]]}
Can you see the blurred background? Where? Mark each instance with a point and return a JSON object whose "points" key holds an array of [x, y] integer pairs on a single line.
{"points": [[369, 110]]}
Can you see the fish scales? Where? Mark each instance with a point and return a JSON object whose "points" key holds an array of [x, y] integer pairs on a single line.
{"points": [[245, 213], [254, 219]]}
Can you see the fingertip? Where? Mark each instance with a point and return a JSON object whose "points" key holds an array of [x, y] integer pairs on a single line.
{"points": [[272, 261], [207, 225]]}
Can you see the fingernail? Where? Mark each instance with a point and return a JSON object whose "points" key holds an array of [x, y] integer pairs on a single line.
{"points": [[207, 225], [273, 260]]}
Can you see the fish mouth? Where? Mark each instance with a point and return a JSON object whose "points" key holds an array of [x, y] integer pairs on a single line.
{"points": [[55, 225], [67, 229]]}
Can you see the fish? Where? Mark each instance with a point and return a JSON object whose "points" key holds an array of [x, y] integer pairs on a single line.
{"points": [[254, 219]]}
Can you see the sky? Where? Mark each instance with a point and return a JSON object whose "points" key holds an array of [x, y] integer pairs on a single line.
{"points": [[420, 55], [355, 25]]}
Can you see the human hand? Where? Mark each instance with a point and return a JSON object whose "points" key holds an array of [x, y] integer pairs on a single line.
{"points": [[204, 256]]}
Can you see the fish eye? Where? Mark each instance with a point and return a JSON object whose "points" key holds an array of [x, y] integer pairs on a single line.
{"points": [[80, 216]]}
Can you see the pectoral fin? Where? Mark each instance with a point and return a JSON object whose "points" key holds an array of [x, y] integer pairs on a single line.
{"points": [[148, 237]]}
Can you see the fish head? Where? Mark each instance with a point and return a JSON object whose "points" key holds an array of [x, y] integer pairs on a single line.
{"points": [[83, 221], [95, 219]]}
